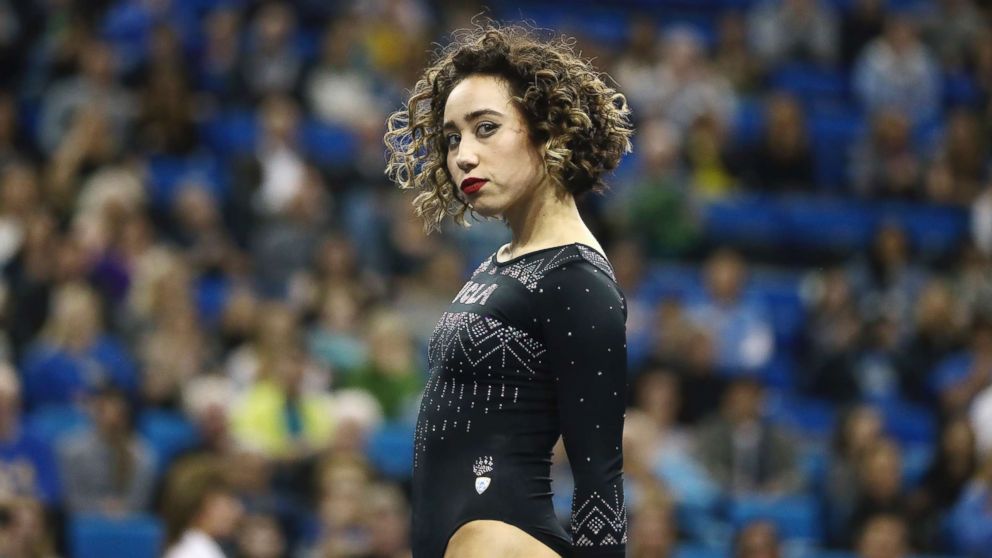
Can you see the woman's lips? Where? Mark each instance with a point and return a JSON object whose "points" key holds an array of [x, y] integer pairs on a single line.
{"points": [[473, 186]]}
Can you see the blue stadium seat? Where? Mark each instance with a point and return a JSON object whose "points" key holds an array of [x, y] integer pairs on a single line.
{"points": [[812, 85], [390, 449], [670, 281], [830, 224], [168, 174], [52, 422], [833, 131], [99, 537], [805, 415], [745, 220], [231, 133], [795, 517], [932, 229], [328, 144], [168, 434], [960, 89], [211, 293], [908, 423], [749, 121]]}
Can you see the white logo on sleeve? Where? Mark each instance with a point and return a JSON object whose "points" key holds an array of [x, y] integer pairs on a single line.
{"points": [[482, 467]]}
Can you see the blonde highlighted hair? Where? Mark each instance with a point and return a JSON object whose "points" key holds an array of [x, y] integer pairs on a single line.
{"points": [[583, 123]]}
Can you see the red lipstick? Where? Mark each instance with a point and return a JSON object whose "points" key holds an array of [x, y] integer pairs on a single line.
{"points": [[472, 185]]}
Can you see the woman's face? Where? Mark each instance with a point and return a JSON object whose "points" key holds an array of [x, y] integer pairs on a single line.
{"points": [[489, 143]]}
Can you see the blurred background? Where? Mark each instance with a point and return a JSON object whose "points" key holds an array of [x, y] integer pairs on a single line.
{"points": [[215, 308]]}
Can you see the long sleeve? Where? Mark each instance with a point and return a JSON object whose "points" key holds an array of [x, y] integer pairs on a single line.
{"points": [[583, 315]]}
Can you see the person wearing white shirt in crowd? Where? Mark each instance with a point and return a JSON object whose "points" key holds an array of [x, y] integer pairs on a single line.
{"points": [[201, 512]]}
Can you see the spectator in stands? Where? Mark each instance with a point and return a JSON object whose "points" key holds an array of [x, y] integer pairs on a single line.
{"points": [[272, 65], [74, 356], [339, 89], [793, 31], [206, 403], [887, 281], [426, 294], [653, 527], [201, 512], [861, 23], [981, 220], [971, 518], [733, 57], [27, 464], [88, 147], [669, 450], [972, 278], [267, 180], [336, 340], [709, 163], [884, 536], [278, 415], [199, 229], [95, 87], [691, 351], [638, 66], [29, 281], [393, 374], [757, 539], [959, 378], [23, 529], [688, 87], [629, 267], [343, 529], [19, 199], [880, 486], [858, 429], [951, 469], [173, 348], [950, 28], [782, 159], [14, 145], [938, 333], [260, 536], [965, 151], [886, 163], [387, 520], [898, 72], [738, 324], [217, 60], [831, 336], [658, 208], [108, 469], [275, 327], [743, 452], [165, 122]]}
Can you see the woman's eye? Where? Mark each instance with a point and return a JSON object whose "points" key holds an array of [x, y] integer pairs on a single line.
{"points": [[453, 140], [486, 128]]}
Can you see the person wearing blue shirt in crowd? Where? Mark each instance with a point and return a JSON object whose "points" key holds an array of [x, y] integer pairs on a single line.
{"points": [[74, 355], [962, 376], [27, 465]]}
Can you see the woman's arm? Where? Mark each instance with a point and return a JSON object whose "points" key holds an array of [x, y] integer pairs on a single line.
{"points": [[583, 317]]}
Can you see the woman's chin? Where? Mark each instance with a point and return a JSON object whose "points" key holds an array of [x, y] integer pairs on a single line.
{"points": [[484, 210]]}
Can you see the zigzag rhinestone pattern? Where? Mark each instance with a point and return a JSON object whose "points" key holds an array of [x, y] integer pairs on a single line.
{"points": [[528, 271], [598, 522], [463, 346], [597, 259]]}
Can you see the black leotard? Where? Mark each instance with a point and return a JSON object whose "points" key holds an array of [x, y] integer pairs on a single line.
{"points": [[528, 350]]}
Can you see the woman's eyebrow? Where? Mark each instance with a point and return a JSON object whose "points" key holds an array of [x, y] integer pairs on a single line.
{"points": [[450, 125]]}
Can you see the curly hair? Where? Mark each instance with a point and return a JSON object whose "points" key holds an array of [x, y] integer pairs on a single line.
{"points": [[583, 123]]}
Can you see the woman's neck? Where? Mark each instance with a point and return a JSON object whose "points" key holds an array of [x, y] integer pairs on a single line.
{"points": [[548, 219]]}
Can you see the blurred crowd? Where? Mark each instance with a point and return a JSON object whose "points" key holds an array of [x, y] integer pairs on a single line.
{"points": [[215, 308]]}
